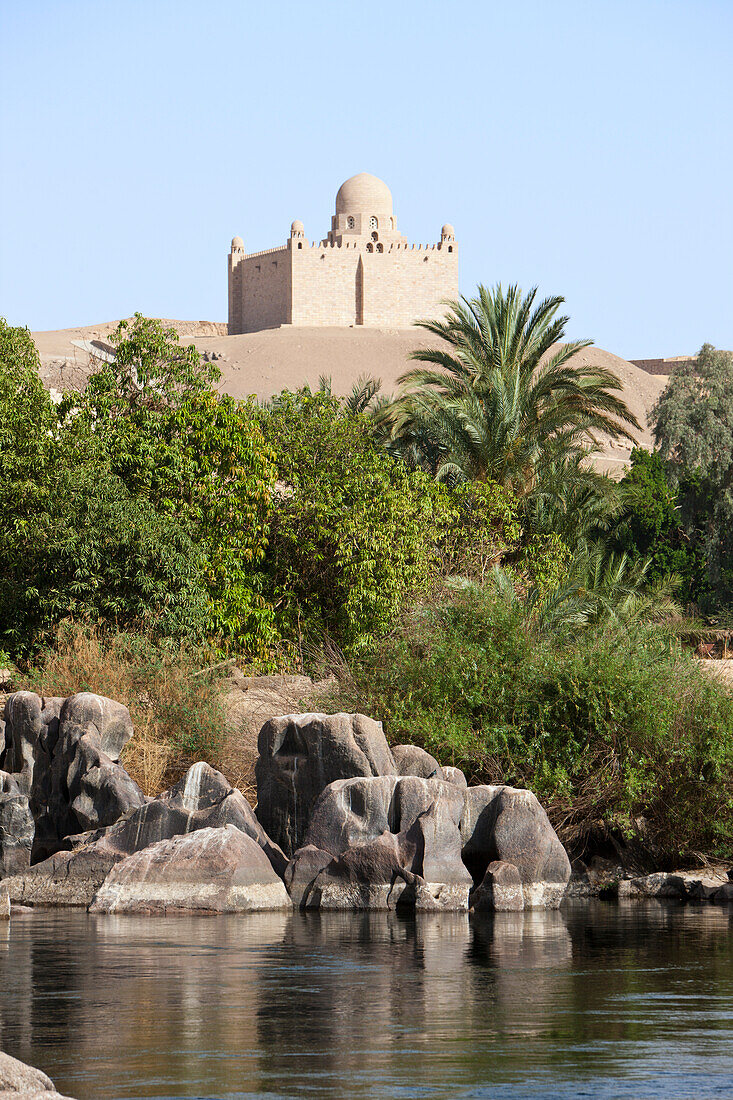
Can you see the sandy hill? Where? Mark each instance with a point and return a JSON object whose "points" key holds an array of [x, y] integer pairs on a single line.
{"points": [[263, 363]]}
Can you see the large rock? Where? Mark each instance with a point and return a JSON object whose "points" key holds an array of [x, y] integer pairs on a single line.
{"points": [[63, 756], [19, 1081], [16, 827], [203, 799], [300, 755], [508, 824], [211, 870], [64, 879], [394, 841]]}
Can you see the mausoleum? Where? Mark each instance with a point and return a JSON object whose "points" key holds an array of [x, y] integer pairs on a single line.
{"points": [[363, 273]]}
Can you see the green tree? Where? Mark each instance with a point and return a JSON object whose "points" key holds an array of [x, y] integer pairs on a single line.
{"points": [[650, 525], [196, 456], [73, 540], [353, 531], [498, 393], [693, 429]]}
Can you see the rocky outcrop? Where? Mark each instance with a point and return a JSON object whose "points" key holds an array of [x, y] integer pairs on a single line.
{"points": [[393, 841], [62, 755], [21, 1082], [64, 879], [202, 799], [680, 885], [300, 755], [218, 870], [507, 824]]}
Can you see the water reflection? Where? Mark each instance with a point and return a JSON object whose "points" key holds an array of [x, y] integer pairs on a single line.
{"points": [[336, 1004]]}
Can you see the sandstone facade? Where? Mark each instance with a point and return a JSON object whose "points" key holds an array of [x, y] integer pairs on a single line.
{"points": [[363, 273]]}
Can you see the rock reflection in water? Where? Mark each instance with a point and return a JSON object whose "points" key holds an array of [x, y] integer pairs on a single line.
{"points": [[378, 1005]]}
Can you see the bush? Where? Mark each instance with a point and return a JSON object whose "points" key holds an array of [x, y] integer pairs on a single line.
{"points": [[177, 709], [617, 726]]}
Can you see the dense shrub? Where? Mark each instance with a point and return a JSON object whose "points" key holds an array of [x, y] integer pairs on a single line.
{"points": [[615, 726], [196, 457], [693, 429]]}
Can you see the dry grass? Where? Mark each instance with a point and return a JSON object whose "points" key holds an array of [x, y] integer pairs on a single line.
{"points": [[178, 710]]}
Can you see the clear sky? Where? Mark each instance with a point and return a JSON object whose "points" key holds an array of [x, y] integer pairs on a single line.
{"points": [[582, 145]]}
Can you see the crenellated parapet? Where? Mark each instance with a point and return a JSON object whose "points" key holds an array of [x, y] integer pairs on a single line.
{"points": [[364, 272]]}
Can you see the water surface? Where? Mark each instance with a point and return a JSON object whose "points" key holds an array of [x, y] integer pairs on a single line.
{"points": [[600, 1000]]}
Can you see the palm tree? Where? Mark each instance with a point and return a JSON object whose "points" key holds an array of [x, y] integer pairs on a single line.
{"points": [[501, 394]]}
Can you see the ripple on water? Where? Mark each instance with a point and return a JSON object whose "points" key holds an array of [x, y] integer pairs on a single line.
{"points": [[600, 1000]]}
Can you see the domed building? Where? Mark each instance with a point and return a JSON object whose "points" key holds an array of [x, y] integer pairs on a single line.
{"points": [[364, 272]]}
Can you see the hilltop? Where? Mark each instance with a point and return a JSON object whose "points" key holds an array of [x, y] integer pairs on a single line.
{"points": [[263, 363]]}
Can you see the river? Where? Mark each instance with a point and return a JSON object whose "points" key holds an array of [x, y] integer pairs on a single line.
{"points": [[599, 1000]]}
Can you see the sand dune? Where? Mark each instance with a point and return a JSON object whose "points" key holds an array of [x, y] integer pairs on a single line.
{"points": [[263, 363]]}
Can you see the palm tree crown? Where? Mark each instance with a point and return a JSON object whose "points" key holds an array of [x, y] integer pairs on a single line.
{"points": [[501, 395]]}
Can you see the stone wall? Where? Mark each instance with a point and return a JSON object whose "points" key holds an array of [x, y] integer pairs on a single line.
{"points": [[326, 284]]}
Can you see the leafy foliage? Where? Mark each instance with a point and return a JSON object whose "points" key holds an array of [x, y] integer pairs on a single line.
{"points": [[502, 395], [618, 725], [352, 530], [693, 429], [194, 456], [651, 526]]}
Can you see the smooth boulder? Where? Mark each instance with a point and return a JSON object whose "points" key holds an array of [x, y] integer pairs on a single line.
{"points": [[211, 871], [63, 755], [412, 760], [500, 889], [18, 1081], [509, 825], [300, 755]]}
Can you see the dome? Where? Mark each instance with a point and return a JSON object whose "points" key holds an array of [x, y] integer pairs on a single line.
{"points": [[297, 227], [364, 194], [447, 231], [237, 242]]}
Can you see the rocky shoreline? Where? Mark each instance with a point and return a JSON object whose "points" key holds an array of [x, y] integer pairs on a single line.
{"points": [[343, 822]]}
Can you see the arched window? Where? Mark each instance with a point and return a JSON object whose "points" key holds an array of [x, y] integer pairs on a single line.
{"points": [[300, 244], [380, 248], [349, 222], [373, 223], [370, 247], [450, 247], [375, 236]]}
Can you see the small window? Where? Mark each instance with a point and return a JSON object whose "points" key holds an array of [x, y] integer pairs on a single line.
{"points": [[380, 248], [370, 247], [375, 236], [373, 223], [350, 222], [300, 244], [450, 247]]}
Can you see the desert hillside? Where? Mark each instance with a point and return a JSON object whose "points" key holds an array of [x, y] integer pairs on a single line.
{"points": [[263, 363]]}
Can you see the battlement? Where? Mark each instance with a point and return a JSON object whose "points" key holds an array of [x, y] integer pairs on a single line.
{"points": [[363, 273]]}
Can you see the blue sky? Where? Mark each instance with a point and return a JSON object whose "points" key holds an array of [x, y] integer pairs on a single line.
{"points": [[583, 146]]}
